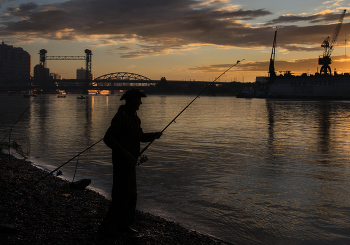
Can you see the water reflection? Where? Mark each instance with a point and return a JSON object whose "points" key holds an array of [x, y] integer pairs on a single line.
{"points": [[248, 171], [315, 161], [300, 120], [270, 128]]}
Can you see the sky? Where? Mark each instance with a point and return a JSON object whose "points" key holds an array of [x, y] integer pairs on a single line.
{"points": [[183, 40]]}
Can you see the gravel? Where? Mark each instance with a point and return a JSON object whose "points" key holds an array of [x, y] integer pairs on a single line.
{"points": [[51, 212]]}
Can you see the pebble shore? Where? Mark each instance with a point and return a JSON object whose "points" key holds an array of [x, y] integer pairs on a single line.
{"points": [[51, 212]]}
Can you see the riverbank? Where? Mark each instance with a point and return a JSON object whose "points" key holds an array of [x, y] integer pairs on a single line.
{"points": [[53, 213]]}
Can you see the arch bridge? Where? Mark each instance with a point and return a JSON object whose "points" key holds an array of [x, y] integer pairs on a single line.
{"points": [[122, 79], [123, 76]]}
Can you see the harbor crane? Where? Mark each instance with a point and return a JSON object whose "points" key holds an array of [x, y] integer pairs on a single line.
{"points": [[327, 44], [272, 59]]}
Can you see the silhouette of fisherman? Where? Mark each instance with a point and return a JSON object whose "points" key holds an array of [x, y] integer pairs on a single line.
{"points": [[123, 137]]}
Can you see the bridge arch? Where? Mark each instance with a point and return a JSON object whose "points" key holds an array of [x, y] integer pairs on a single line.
{"points": [[123, 76]]}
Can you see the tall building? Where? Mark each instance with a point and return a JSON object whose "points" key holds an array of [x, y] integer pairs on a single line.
{"points": [[14, 63], [41, 73], [81, 74]]}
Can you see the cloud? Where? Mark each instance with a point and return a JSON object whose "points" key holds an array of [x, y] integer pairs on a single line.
{"points": [[325, 16], [2, 1], [124, 47], [159, 27], [297, 67], [131, 19]]}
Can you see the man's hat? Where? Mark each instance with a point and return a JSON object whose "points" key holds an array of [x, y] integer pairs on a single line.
{"points": [[133, 93]]}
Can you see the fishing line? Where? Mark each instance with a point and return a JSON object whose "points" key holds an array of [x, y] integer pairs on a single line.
{"points": [[75, 171], [68, 161], [143, 158], [144, 149], [18, 120], [9, 133]]}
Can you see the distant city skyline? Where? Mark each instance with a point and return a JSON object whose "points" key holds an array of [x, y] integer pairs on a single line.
{"points": [[178, 39]]}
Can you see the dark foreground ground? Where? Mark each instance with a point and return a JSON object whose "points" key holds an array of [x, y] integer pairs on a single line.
{"points": [[52, 213]]}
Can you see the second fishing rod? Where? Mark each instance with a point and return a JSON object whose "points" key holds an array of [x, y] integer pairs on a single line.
{"points": [[144, 158]]}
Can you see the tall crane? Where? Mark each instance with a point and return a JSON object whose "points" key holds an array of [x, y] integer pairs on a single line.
{"points": [[327, 44], [272, 59]]}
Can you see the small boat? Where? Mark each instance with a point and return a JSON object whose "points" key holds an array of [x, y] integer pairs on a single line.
{"points": [[61, 94], [81, 97]]}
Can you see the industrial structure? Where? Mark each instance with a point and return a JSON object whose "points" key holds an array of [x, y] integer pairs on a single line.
{"points": [[327, 44], [41, 72], [87, 58], [272, 71], [323, 85]]}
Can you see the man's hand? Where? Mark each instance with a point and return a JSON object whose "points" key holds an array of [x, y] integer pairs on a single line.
{"points": [[157, 135]]}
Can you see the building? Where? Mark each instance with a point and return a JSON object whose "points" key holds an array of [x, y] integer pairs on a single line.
{"points": [[55, 76], [262, 79], [81, 74], [41, 72], [14, 63]]}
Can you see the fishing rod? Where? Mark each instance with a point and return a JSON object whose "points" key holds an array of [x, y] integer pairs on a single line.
{"points": [[68, 161], [144, 158]]}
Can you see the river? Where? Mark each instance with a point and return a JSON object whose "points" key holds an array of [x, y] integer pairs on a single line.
{"points": [[248, 171]]}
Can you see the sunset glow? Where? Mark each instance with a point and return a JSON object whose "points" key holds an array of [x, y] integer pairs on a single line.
{"points": [[179, 40]]}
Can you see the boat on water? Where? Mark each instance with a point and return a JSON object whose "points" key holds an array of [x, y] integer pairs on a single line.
{"points": [[61, 94], [81, 97], [323, 85]]}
